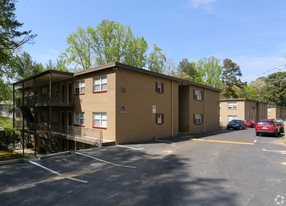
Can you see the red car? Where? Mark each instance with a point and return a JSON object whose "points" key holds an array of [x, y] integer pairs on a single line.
{"points": [[267, 126], [250, 123]]}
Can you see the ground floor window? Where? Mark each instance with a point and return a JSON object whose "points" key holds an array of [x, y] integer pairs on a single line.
{"points": [[100, 120], [198, 118], [79, 118], [159, 118], [231, 117]]}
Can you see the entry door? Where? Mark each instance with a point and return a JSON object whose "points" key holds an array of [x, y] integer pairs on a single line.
{"points": [[63, 93], [69, 93]]}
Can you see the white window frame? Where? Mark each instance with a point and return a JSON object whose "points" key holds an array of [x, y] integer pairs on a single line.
{"points": [[198, 119], [79, 118], [231, 117], [102, 82], [101, 117], [80, 85], [232, 105], [198, 95]]}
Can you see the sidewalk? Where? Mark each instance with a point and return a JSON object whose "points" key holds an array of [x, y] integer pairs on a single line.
{"points": [[27, 152]]}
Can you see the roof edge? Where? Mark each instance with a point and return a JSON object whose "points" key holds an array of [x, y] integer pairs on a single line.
{"points": [[242, 99]]}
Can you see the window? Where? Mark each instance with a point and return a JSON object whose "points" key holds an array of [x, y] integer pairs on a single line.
{"points": [[159, 118], [268, 117], [269, 110], [79, 87], [232, 105], [198, 118], [100, 84], [55, 116], [253, 106], [100, 120], [220, 118], [231, 117], [198, 95], [159, 87], [220, 105], [79, 118]]}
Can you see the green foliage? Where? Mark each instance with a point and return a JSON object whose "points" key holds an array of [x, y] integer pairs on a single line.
{"points": [[7, 137], [157, 60], [10, 35], [109, 42], [6, 122], [275, 89], [259, 86], [187, 70], [248, 92], [59, 65], [230, 78], [7, 155]]}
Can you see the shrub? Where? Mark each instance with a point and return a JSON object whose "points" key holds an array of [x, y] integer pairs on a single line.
{"points": [[7, 138]]}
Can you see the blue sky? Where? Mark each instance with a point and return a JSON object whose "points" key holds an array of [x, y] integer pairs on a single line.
{"points": [[251, 33]]}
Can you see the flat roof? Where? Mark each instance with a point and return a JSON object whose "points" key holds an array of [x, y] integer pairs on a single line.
{"points": [[241, 99]]}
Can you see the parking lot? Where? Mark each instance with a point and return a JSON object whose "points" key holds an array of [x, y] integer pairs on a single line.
{"points": [[221, 168]]}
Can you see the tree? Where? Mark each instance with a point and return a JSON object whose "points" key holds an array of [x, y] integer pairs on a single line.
{"points": [[170, 67], [275, 89], [230, 78], [10, 38], [58, 65], [186, 70], [25, 67], [248, 92], [156, 60], [259, 86], [109, 42], [209, 70]]}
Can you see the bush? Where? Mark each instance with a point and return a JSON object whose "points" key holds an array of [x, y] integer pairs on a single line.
{"points": [[7, 138], [29, 145]]}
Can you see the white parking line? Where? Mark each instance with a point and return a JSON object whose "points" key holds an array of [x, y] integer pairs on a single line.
{"points": [[129, 147], [255, 141], [117, 165], [277, 151], [52, 171]]}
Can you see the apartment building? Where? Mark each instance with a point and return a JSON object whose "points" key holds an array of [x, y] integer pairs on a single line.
{"points": [[113, 102], [242, 109], [276, 112]]}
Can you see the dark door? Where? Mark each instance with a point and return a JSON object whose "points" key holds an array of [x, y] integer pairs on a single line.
{"points": [[70, 92], [63, 93]]}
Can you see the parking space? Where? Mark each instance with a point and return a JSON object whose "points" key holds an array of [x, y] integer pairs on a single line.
{"points": [[177, 170]]}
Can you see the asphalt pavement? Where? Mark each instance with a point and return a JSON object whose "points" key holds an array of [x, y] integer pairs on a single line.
{"points": [[219, 168]]}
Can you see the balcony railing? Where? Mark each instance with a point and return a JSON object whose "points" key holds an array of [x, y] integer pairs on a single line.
{"points": [[43, 100]]}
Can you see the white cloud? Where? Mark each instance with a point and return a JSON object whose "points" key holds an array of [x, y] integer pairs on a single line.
{"points": [[205, 4]]}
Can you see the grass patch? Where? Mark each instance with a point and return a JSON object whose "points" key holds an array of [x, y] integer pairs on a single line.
{"points": [[6, 155], [6, 122]]}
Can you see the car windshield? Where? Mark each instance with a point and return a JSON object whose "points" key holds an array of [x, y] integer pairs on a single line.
{"points": [[235, 121], [265, 123]]}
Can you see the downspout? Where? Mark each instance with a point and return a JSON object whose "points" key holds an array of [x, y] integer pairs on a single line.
{"points": [[172, 109], [205, 99]]}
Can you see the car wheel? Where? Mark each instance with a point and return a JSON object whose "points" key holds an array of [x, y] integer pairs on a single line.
{"points": [[257, 134], [276, 134], [239, 128]]}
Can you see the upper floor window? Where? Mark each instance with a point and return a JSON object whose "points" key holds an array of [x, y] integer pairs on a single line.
{"points": [[253, 105], [100, 84], [159, 87], [100, 120], [198, 118], [79, 87], [198, 95], [79, 118], [232, 105]]}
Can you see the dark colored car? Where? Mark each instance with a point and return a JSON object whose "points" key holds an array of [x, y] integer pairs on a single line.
{"points": [[236, 124], [267, 126], [281, 125], [250, 123]]}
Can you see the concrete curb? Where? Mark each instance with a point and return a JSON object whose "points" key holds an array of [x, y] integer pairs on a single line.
{"points": [[54, 155], [8, 162]]}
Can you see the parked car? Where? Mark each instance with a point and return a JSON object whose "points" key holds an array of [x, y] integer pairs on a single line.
{"points": [[280, 120], [236, 124], [250, 123], [267, 126], [281, 125]]}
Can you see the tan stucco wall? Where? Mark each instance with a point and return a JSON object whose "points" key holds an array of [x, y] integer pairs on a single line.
{"points": [[138, 122], [184, 107], [98, 102], [211, 110], [276, 112]]}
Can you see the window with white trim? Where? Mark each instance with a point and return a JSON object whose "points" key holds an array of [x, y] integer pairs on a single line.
{"points": [[79, 118], [79, 87], [100, 84], [232, 105], [198, 118], [159, 118], [198, 95], [100, 119], [231, 117], [268, 109], [253, 106]]}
